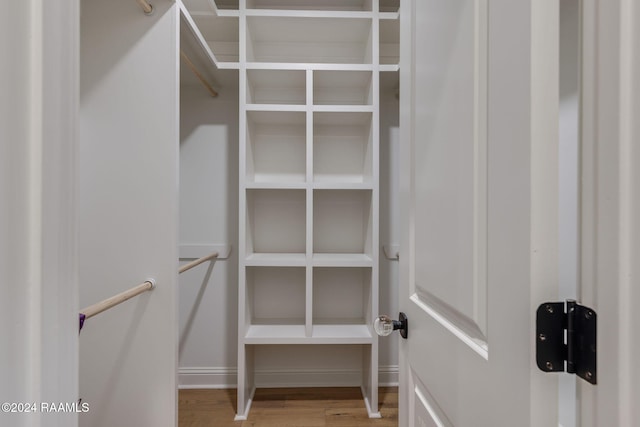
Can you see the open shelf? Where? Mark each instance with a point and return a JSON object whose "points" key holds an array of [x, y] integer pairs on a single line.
{"points": [[341, 296], [342, 222], [389, 5], [276, 222], [276, 87], [295, 334], [226, 4], [308, 146], [342, 88], [276, 260], [342, 5], [276, 296], [390, 41], [342, 147], [341, 260], [308, 40], [275, 334], [221, 34], [347, 334], [276, 147]]}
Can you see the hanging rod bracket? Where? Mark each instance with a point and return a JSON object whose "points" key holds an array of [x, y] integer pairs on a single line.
{"points": [[147, 7]]}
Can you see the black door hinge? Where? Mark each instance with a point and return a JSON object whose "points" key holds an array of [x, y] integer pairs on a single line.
{"points": [[577, 346]]}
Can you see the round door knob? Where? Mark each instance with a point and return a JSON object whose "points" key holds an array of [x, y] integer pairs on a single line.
{"points": [[384, 325]]}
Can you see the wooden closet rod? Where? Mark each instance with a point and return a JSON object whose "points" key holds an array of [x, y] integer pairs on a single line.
{"points": [[146, 6], [200, 77], [197, 262], [98, 308]]}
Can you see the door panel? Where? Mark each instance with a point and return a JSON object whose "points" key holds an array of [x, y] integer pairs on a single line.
{"points": [[426, 410], [451, 150], [479, 197]]}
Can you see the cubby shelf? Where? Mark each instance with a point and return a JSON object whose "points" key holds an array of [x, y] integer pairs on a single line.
{"points": [[275, 146], [309, 107], [306, 40]]}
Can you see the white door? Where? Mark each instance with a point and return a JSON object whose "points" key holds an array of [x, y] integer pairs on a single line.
{"points": [[479, 199]]}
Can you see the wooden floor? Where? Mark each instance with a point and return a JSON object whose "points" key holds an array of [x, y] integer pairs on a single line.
{"points": [[287, 407]]}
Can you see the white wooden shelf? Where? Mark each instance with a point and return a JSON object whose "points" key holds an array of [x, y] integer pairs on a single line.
{"points": [[348, 334], [276, 87], [265, 287], [277, 183], [343, 147], [216, 34], [276, 221], [343, 221], [295, 5], [216, 7], [276, 260], [276, 107], [295, 334], [309, 14], [343, 108], [342, 88], [275, 334], [309, 112], [389, 6], [337, 182], [306, 40], [330, 66]]}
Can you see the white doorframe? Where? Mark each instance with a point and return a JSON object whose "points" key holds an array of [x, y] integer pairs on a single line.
{"points": [[39, 293], [610, 258]]}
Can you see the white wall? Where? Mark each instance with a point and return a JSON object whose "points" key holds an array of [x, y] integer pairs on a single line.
{"points": [[128, 211], [38, 287], [209, 215]]}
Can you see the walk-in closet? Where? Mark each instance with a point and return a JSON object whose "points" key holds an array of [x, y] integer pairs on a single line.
{"points": [[272, 213], [265, 131]]}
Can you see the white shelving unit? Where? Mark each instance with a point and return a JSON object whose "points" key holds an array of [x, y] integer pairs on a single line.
{"points": [[309, 78]]}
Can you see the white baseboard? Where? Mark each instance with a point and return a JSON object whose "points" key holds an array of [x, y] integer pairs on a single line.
{"points": [[388, 376], [189, 378], [207, 378]]}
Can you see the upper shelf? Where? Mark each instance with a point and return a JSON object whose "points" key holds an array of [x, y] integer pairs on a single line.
{"points": [[342, 5], [231, 6], [217, 7], [221, 35], [277, 39], [308, 40]]}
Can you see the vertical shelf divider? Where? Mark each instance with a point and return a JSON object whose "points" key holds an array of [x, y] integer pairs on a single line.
{"points": [[245, 387], [309, 142]]}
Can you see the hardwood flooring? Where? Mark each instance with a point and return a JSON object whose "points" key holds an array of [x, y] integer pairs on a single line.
{"points": [[287, 407]]}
